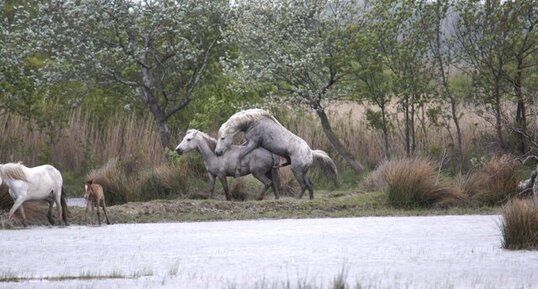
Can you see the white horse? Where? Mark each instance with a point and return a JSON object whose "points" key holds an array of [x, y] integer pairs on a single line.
{"points": [[38, 183], [263, 130]]}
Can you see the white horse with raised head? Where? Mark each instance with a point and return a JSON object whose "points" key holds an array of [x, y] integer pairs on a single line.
{"points": [[263, 130], [38, 183]]}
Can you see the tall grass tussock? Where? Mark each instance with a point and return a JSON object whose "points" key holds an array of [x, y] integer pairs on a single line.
{"points": [[494, 183], [416, 182], [519, 226]]}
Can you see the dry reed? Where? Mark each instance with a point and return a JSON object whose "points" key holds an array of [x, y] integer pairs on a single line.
{"points": [[81, 143]]}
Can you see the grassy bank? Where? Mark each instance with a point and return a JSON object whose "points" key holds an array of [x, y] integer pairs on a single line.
{"points": [[326, 205]]}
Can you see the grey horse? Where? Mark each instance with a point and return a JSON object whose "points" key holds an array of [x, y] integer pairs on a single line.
{"points": [[263, 130], [262, 164]]}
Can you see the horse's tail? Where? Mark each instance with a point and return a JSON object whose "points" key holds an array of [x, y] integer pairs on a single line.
{"points": [[63, 201], [327, 164]]}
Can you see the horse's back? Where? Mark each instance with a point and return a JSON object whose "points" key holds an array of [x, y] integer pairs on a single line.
{"points": [[45, 179], [279, 140]]}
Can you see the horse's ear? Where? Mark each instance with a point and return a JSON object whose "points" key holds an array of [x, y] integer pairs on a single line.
{"points": [[89, 182]]}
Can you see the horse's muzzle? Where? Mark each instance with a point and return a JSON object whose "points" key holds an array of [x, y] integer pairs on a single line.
{"points": [[179, 151], [219, 153]]}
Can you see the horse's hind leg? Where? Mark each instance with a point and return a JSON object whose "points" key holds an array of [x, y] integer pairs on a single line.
{"points": [[57, 200], [16, 205], [304, 181], [49, 214], [21, 209], [266, 183], [104, 210], [275, 182]]}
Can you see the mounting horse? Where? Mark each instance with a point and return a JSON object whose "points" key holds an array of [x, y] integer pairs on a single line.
{"points": [[38, 183], [263, 130], [259, 162]]}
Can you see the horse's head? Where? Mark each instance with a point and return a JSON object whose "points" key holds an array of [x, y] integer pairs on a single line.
{"points": [[188, 143], [224, 141], [87, 186]]}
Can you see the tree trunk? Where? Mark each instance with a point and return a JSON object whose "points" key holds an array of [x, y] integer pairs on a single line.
{"points": [[412, 127], [459, 150], [498, 116], [155, 108], [406, 123], [521, 114], [385, 131], [337, 145], [159, 115]]}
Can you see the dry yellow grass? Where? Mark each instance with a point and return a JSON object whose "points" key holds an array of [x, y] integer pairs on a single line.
{"points": [[416, 183], [494, 183], [519, 225]]}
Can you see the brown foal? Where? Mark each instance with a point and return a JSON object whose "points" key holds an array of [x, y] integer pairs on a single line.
{"points": [[95, 197]]}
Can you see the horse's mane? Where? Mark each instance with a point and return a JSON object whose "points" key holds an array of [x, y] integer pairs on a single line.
{"points": [[242, 120], [13, 171], [211, 142]]}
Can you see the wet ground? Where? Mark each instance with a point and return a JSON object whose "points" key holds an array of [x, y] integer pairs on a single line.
{"points": [[376, 252]]}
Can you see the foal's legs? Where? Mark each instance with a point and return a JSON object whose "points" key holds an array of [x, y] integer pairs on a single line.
{"points": [[88, 204], [96, 205], [104, 210]]}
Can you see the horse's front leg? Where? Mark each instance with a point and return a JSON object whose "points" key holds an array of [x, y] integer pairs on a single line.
{"points": [[211, 185], [224, 183], [245, 150]]}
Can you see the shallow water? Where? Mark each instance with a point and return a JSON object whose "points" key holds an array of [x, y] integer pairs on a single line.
{"points": [[386, 252]]}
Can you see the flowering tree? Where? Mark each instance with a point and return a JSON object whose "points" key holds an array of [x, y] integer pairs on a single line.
{"points": [[160, 49], [298, 47]]}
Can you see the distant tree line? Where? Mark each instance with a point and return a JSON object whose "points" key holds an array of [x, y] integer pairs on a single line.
{"points": [[195, 62]]}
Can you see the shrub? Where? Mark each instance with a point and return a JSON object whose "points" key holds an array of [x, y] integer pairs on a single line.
{"points": [[164, 181], [375, 181], [494, 183], [416, 183], [129, 180], [519, 225]]}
